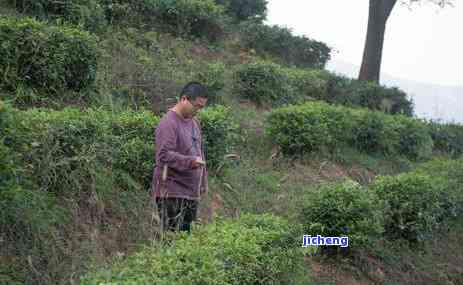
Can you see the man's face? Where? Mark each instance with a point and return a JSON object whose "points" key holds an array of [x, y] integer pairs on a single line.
{"points": [[191, 107]]}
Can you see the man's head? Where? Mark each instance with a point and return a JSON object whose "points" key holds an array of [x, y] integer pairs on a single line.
{"points": [[192, 98]]}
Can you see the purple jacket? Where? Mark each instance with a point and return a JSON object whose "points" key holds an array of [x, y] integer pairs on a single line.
{"points": [[178, 143]]}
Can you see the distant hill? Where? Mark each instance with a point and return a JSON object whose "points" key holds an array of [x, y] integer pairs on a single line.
{"points": [[432, 101]]}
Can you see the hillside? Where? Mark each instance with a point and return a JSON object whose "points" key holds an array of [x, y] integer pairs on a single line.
{"points": [[292, 150]]}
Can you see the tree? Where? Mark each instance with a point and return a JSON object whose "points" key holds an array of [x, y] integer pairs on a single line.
{"points": [[379, 12]]}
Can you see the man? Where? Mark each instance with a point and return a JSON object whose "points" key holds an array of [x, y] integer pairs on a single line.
{"points": [[180, 175]]}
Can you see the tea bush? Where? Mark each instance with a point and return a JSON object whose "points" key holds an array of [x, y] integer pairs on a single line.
{"points": [[86, 13], [251, 250], [316, 126], [269, 82], [374, 132], [220, 133], [447, 137], [73, 149], [196, 18], [262, 82], [343, 209], [213, 77], [308, 84], [451, 171], [50, 59], [282, 45], [242, 10], [415, 140], [306, 128], [351, 92], [414, 205], [133, 146]]}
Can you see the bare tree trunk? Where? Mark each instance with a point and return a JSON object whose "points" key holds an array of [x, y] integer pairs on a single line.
{"points": [[379, 12]]}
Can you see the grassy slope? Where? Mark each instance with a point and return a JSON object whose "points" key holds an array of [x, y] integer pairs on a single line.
{"points": [[260, 181]]}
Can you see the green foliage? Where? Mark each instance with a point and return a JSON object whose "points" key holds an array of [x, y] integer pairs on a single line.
{"points": [[251, 250], [413, 205], [451, 171], [190, 18], [6, 159], [415, 140], [213, 77], [343, 209], [447, 137], [308, 84], [220, 133], [133, 146], [72, 150], [373, 132], [280, 43], [26, 213], [307, 128], [265, 82], [262, 82], [86, 13], [376, 132], [49, 59], [63, 149], [351, 92], [318, 126], [242, 10]]}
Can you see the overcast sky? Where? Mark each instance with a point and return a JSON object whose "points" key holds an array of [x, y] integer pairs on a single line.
{"points": [[423, 44]]}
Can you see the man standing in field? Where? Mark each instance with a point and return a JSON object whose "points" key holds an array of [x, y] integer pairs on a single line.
{"points": [[180, 175]]}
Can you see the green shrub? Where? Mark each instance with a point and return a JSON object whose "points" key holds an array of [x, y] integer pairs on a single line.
{"points": [[213, 77], [447, 137], [351, 92], [73, 149], [6, 161], [267, 82], [262, 82], [374, 132], [316, 126], [414, 205], [452, 172], [242, 10], [133, 140], [87, 13], [63, 149], [196, 18], [220, 133], [342, 209], [301, 129], [27, 213], [415, 140], [308, 84], [281, 44], [50, 59], [250, 250]]}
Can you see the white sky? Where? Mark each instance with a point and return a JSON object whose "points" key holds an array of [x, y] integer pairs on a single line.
{"points": [[422, 44]]}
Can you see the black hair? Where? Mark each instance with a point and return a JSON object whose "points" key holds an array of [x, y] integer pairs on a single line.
{"points": [[194, 90]]}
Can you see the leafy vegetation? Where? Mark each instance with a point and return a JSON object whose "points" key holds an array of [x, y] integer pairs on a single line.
{"points": [[45, 59], [74, 179], [253, 249], [283, 46], [318, 126], [343, 209]]}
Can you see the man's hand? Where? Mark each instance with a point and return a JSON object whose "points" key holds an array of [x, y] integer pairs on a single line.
{"points": [[198, 162]]}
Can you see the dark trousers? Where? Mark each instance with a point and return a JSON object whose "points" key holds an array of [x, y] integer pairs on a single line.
{"points": [[176, 213]]}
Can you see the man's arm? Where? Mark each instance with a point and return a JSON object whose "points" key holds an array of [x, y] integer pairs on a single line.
{"points": [[166, 148]]}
